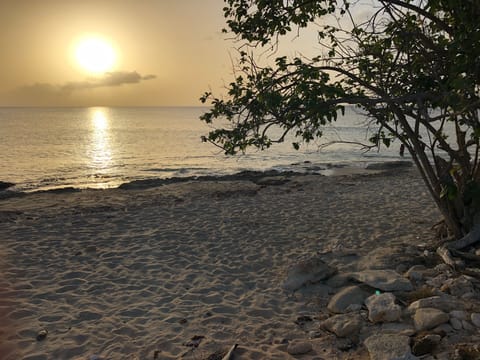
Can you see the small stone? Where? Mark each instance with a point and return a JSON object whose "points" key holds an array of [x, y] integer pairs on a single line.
{"points": [[299, 348], [475, 317], [343, 325], [467, 326], [389, 346], [468, 295], [382, 308], [42, 334], [345, 297], [477, 252], [427, 318], [458, 314], [345, 344], [443, 329], [425, 344], [415, 273], [456, 323]]}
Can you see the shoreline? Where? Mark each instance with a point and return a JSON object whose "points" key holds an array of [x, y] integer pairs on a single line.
{"points": [[9, 189], [188, 269]]}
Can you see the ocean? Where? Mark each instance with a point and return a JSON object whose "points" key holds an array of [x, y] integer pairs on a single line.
{"points": [[103, 147]]}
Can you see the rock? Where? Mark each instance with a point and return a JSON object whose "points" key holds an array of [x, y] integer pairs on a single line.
{"points": [[445, 303], [397, 328], [443, 329], [345, 344], [353, 308], [42, 334], [458, 314], [456, 323], [299, 347], [458, 286], [382, 308], [425, 344], [467, 326], [5, 185], [415, 273], [389, 165], [386, 280], [427, 318], [308, 271], [343, 325], [389, 347], [475, 317], [345, 297], [339, 280]]}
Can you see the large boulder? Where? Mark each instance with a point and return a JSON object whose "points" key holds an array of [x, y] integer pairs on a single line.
{"points": [[386, 280], [345, 298], [382, 308], [308, 271]]}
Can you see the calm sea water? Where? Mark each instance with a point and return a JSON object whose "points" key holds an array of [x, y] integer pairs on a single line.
{"points": [[99, 147]]}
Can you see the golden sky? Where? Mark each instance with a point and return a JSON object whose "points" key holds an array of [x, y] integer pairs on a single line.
{"points": [[167, 52]]}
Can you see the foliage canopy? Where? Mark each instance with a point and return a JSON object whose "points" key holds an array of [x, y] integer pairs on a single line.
{"points": [[412, 65]]}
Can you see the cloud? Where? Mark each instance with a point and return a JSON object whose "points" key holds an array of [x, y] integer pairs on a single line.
{"points": [[110, 79], [72, 92]]}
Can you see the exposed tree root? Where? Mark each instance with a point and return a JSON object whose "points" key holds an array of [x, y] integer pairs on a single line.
{"points": [[471, 238]]}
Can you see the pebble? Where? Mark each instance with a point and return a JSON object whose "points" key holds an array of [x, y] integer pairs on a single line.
{"points": [[299, 348], [475, 317], [458, 314], [42, 334], [467, 326], [415, 273], [456, 323], [443, 329]]}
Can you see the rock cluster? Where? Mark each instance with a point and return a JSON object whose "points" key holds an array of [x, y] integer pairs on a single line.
{"points": [[430, 313]]}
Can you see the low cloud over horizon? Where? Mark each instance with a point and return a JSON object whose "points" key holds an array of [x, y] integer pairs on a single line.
{"points": [[40, 93], [116, 78]]}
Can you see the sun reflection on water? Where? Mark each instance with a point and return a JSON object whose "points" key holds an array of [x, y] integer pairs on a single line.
{"points": [[101, 151]]}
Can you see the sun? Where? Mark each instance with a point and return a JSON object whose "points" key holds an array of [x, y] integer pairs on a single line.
{"points": [[95, 55]]}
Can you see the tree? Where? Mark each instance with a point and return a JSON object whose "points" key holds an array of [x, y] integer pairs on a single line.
{"points": [[413, 66]]}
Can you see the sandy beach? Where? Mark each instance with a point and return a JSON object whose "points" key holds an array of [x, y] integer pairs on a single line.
{"points": [[186, 270]]}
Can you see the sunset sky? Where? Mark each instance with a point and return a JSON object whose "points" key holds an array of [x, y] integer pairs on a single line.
{"points": [[119, 52], [167, 52]]}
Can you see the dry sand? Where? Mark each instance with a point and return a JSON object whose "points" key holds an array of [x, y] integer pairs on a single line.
{"points": [[137, 274]]}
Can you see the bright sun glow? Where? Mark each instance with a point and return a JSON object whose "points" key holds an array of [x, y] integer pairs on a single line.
{"points": [[95, 55]]}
